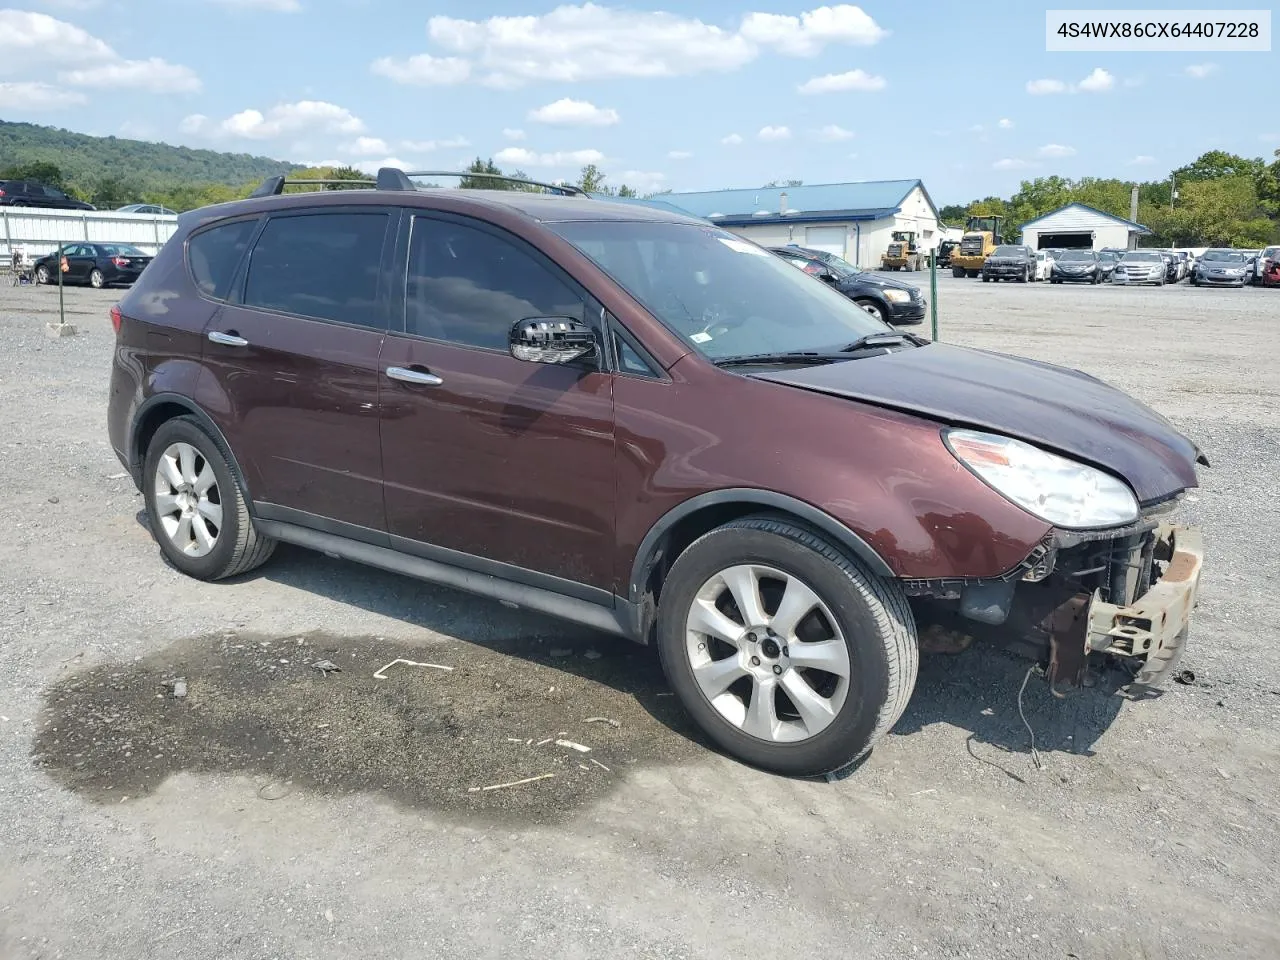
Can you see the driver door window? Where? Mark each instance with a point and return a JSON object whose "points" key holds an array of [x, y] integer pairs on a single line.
{"points": [[468, 286]]}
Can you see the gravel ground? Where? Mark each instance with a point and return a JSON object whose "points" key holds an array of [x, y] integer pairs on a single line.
{"points": [[277, 810]]}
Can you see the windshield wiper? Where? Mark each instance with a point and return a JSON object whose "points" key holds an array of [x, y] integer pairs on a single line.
{"points": [[790, 356], [879, 340]]}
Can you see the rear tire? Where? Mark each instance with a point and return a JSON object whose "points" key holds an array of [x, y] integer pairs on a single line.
{"points": [[196, 509], [845, 654], [957, 272]]}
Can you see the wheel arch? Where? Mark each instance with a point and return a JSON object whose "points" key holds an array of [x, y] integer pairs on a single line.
{"points": [[690, 519], [159, 409]]}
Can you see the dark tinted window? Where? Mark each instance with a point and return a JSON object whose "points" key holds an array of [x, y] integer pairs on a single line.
{"points": [[1083, 256], [469, 286], [214, 255], [323, 265]]}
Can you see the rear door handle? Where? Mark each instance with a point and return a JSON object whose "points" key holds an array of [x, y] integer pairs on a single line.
{"points": [[227, 339], [408, 375]]}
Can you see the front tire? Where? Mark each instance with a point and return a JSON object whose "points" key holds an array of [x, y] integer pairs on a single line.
{"points": [[42, 273], [786, 652], [957, 272], [196, 508], [873, 308]]}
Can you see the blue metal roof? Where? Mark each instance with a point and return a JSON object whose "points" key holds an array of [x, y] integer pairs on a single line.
{"points": [[1135, 227], [869, 200]]}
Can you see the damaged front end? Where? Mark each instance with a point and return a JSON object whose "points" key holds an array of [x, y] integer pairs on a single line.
{"points": [[1083, 601]]}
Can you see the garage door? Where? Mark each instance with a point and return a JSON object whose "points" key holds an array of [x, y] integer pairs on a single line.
{"points": [[827, 239], [1066, 241]]}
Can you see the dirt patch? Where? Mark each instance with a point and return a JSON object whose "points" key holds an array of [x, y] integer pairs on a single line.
{"points": [[425, 737]]}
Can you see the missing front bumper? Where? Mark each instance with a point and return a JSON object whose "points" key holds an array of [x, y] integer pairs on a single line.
{"points": [[1148, 634]]}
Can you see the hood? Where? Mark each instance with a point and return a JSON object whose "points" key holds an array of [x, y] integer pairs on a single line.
{"points": [[871, 280], [1059, 409]]}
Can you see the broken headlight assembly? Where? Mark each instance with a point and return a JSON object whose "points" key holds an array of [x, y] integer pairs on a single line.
{"points": [[1067, 494]]}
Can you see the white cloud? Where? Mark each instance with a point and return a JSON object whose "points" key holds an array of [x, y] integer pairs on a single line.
{"points": [[1142, 160], [833, 133], [574, 43], [807, 34], [1056, 150], [1198, 71], [574, 113], [154, 75], [774, 133], [678, 154], [428, 146], [1039, 88], [278, 6], [1011, 163], [641, 181], [1097, 82], [732, 140], [30, 41], [423, 70], [1005, 123], [513, 134], [373, 166], [367, 147], [28, 97], [522, 157], [305, 116], [858, 80]]}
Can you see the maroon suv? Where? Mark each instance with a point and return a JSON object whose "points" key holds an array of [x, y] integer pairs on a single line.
{"points": [[643, 423]]}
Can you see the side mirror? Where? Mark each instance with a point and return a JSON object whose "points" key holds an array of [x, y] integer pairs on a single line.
{"points": [[551, 340]]}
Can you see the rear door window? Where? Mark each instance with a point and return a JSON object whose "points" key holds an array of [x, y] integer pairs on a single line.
{"points": [[214, 254], [323, 265]]}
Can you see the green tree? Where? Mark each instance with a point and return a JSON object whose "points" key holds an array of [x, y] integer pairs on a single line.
{"points": [[953, 214], [1217, 164], [479, 166], [346, 173], [39, 170], [625, 191], [591, 180], [1267, 183], [113, 191]]}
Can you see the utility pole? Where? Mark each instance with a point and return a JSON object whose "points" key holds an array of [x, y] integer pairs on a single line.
{"points": [[1173, 189]]}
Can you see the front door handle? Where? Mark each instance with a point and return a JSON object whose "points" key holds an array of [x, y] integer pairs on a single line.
{"points": [[414, 376], [227, 339]]}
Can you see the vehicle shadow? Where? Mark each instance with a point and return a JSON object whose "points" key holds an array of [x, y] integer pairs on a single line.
{"points": [[977, 690]]}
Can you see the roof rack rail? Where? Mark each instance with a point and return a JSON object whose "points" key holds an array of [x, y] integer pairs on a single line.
{"points": [[274, 186], [392, 178]]}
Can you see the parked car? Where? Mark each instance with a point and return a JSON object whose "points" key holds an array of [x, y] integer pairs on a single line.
{"points": [[29, 193], [1271, 270], [1076, 266], [1268, 257], [1221, 267], [1010, 262], [1141, 266], [154, 209], [1044, 265], [1175, 265], [1107, 260], [887, 299], [97, 264], [624, 417]]}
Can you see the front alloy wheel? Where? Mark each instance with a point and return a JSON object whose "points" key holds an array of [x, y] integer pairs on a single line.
{"points": [[787, 652], [779, 676]]}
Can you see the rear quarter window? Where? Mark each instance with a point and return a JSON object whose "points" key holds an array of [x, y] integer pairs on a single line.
{"points": [[214, 254]]}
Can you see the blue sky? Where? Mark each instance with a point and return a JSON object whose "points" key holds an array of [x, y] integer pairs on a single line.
{"points": [[720, 94]]}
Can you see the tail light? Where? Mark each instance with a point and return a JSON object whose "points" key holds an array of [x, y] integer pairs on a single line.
{"points": [[812, 269], [120, 261], [116, 318]]}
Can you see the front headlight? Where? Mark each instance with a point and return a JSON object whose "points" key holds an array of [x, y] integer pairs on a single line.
{"points": [[896, 296], [1057, 490]]}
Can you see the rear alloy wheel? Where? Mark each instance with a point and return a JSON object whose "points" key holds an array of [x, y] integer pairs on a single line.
{"points": [[97, 280], [787, 653], [196, 509]]}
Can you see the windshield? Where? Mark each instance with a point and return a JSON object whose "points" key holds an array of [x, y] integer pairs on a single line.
{"points": [[1078, 255], [1008, 252], [839, 264], [1108, 255], [724, 295], [1142, 258], [1224, 256]]}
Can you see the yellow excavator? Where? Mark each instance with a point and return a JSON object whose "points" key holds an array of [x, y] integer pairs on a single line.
{"points": [[981, 236], [902, 253]]}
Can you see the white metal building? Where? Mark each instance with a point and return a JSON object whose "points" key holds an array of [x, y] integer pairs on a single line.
{"points": [[1077, 226], [852, 220], [41, 231]]}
